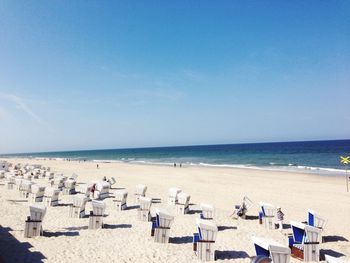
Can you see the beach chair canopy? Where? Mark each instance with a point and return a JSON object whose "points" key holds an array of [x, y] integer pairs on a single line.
{"points": [[207, 207], [330, 259], [98, 207], [37, 211], [207, 230], [267, 209], [37, 189], [121, 195], [183, 198], [145, 203], [164, 219], [141, 189], [315, 219], [248, 203]]}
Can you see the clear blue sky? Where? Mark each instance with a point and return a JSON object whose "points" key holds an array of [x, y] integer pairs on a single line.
{"points": [[110, 74]]}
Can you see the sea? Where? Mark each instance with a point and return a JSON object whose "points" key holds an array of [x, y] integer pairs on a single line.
{"points": [[320, 157]]}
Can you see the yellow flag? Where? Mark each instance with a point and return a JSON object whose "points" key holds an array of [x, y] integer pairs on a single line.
{"points": [[345, 160]]}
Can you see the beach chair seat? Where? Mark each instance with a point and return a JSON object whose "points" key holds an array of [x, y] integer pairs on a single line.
{"points": [[305, 241], [77, 209], [204, 240], [69, 187], [36, 193], [207, 211], [183, 203], [143, 212], [33, 224], [161, 226], [140, 192], [102, 190], [120, 199], [51, 196], [267, 215], [96, 215], [276, 252]]}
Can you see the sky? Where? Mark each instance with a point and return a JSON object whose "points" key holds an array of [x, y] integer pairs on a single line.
{"points": [[117, 74]]}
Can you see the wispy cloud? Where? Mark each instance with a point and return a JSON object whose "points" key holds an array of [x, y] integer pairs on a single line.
{"points": [[21, 105]]}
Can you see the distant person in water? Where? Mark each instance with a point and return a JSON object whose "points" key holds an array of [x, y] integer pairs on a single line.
{"points": [[174, 164], [180, 165]]}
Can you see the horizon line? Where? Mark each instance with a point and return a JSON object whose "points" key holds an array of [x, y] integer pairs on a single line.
{"points": [[172, 146]]}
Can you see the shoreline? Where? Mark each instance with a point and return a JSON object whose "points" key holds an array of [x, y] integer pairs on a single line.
{"points": [[306, 170]]}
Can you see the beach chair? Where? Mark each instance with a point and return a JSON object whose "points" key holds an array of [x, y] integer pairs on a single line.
{"points": [[172, 196], [36, 193], [85, 189], [120, 199], [51, 196], [203, 241], [10, 181], [140, 191], [102, 190], [77, 209], [2, 174], [161, 226], [74, 177], [143, 212], [330, 259], [58, 182], [207, 211], [50, 176], [25, 188], [33, 224], [267, 215], [27, 176], [112, 181], [183, 203], [96, 215], [241, 210], [276, 252], [305, 241], [69, 187]]}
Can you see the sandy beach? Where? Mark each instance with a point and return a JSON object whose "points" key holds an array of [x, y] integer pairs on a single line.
{"points": [[126, 239]]}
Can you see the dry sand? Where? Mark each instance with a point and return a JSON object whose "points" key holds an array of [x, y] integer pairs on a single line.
{"points": [[126, 239]]}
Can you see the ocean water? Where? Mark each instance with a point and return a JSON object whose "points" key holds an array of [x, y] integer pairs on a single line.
{"points": [[322, 157]]}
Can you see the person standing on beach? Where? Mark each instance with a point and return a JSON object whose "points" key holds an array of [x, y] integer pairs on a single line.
{"points": [[280, 217], [97, 166]]}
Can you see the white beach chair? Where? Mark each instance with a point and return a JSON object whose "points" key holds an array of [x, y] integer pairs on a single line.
{"points": [[27, 176], [203, 241], [268, 248], [241, 210], [102, 190], [183, 203], [58, 182], [96, 215], [161, 226], [144, 209], [120, 199], [305, 241], [69, 187], [51, 196], [85, 189], [25, 188], [33, 224], [140, 191], [207, 211], [172, 196], [77, 209], [36, 193], [267, 215], [74, 177], [10, 181], [112, 181]]}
